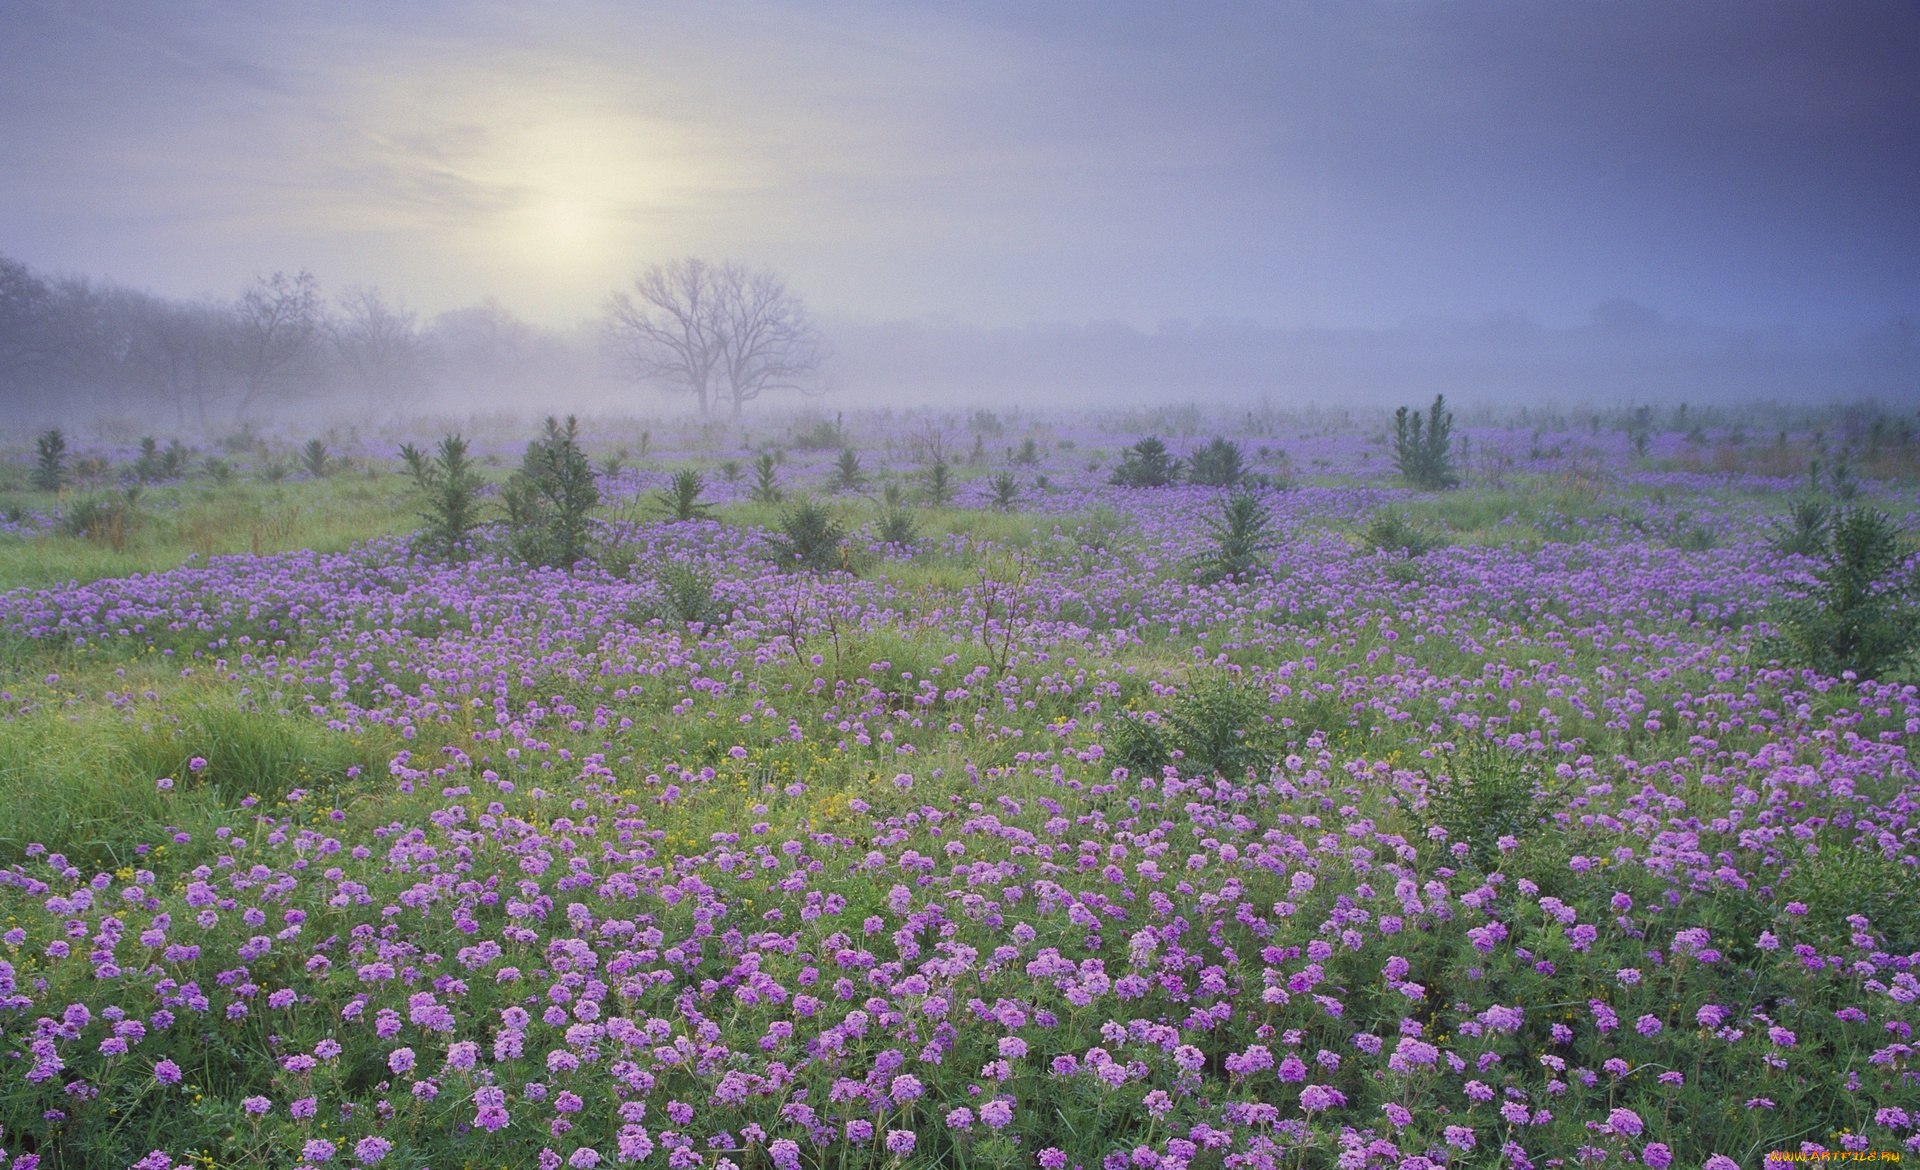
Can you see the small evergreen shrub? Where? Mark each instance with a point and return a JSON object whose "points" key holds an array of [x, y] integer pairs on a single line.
{"points": [[1146, 464], [810, 539], [1423, 449], [550, 498], [1218, 464]]}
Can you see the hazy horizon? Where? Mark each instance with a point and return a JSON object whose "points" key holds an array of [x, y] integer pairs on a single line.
{"points": [[1359, 166]]}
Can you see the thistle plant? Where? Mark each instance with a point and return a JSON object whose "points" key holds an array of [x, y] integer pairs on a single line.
{"points": [[810, 539], [680, 500], [848, 475], [766, 488], [1242, 535]]}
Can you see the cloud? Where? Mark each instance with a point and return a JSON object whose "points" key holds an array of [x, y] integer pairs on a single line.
{"points": [[1297, 163]]}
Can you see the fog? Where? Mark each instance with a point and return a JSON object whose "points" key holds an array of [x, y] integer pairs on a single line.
{"points": [[1083, 205]]}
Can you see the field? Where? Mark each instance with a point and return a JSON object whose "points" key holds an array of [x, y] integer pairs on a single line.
{"points": [[1537, 822]]}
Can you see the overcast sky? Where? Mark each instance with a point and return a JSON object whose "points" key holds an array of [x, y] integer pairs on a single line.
{"points": [[1334, 163]]}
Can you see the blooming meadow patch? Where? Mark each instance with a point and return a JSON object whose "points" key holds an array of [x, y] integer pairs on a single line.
{"points": [[1527, 854]]}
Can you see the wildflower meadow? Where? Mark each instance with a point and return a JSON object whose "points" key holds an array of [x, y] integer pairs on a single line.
{"points": [[900, 791]]}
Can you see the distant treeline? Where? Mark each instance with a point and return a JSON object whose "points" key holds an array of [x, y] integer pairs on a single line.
{"points": [[75, 349], [79, 351]]}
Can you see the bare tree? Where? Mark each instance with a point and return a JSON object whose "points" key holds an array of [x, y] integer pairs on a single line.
{"points": [[670, 329], [180, 349], [26, 307], [276, 330], [767, 343], [380, 344], [722, 333]]}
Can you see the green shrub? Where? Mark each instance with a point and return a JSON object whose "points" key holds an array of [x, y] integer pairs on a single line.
{"points": [[1423, 449], [1218, 464], [315, 460], [1804, 531], [249, 752], [939, 484], [550, 497], [1484, 794], [766, 489], [1138, 746], [1146, 464], [1843, 879], [1857, 617], [897, 526], [822, 435], [1006, 490], [50, 460], [680, 501], [686, 596], [848, 476], [810, 539], [1242, 536], [1390, 531], [449, 484], [1215, 725]]}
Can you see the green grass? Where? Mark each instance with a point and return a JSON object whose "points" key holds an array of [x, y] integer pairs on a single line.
{"points": [[203, 519], [81, 777]]}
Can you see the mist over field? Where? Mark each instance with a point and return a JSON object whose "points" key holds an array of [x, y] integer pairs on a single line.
{"points": [[1099, 585], [1096, 204]]}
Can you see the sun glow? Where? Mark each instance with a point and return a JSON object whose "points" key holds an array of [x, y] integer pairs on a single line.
{"points": [[549, 178]]}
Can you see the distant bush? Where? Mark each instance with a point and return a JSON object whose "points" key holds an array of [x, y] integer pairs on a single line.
{"points": [[897, 526], [156, 463], [848, 475], [1146, 464], [938, 484], [1841, 479], [1423, 449], [821, 436], [109, 521], [315, 460], [50, 460], [1218, 464], [1006, 490]]}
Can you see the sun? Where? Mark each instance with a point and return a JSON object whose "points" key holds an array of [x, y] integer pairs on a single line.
{"points": [[561, 226]]}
